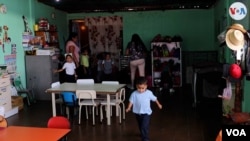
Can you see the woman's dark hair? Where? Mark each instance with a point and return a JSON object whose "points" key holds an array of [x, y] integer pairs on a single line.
{"points": [[68, 55], [100, 56], [141, 80], [137, 41], [61, 58], [72, 35]]}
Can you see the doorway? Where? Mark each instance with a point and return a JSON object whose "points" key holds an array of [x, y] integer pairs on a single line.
{"points": [[79, 27]]}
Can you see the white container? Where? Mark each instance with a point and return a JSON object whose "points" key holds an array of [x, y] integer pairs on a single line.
{"points": [[157, 74], [45, 52]]}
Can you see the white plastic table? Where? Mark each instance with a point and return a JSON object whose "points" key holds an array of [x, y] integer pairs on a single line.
{"points": [[105, 89]]}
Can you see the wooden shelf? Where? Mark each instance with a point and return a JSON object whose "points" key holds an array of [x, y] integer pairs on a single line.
{"points": [[48, 37]]}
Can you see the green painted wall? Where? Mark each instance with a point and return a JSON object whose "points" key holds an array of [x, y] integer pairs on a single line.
{"points": [[195, 26], [246, 83], [13, 19], [223, 20]]}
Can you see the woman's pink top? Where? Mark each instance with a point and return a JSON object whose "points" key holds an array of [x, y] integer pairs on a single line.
{"points": [[77, 49]]}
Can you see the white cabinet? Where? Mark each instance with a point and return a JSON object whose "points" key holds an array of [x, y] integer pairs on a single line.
{"points": [[5, 93], [166, 63], [39, 74], [5, 96]]}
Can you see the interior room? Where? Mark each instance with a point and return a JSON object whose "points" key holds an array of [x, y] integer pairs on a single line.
{"points": [[187, 66]]}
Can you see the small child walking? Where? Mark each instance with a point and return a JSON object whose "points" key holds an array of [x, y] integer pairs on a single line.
{"points": [[85, 70], [140, 100], [69, 67]]}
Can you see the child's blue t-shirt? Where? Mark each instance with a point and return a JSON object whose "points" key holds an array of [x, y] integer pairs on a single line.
{"points": [[107, 66], [141, 102]]}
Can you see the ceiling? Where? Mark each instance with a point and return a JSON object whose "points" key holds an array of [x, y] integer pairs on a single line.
{"points": [[78, 6]]}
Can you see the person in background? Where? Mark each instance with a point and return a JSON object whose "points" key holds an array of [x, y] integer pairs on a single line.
{"points": [[100, 58], [84, 61], [108, 66], [72, 47], [137, 52], [140, 100], [69, 67]]}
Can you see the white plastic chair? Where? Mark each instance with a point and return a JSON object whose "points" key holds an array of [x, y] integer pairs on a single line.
{"points": [[115, 102], [85, 81], [111, 96], [87, 98], [58, 100]]}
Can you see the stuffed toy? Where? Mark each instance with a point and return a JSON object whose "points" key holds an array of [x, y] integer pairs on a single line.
{"points": [[5, 38], [3, 9]]}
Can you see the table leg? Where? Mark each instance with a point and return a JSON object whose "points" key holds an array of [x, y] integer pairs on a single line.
{"points": [[116, 106], [53, 104], [194, 89], [108, 109]]}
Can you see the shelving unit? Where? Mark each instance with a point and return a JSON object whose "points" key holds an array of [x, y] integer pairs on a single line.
{"points": [[48, 37], [123, 62], [166, 57]]}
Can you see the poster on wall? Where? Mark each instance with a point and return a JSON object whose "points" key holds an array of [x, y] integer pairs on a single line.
{"points": [[13, 48], [26, 40], [10, 61]]}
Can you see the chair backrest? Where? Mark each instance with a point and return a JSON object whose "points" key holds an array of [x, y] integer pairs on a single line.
{"points": [[54, 85], [58, 122], [3, 123], [18, 84], [86, 94], [69, 98], [121, 94], [85, 81], [110, 82]]}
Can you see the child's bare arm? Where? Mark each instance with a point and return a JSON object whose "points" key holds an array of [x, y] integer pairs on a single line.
{"points": [[129, 107], [158, 104], [59, 70]]}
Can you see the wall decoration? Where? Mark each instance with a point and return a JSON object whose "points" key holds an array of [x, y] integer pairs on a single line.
{"points": [[5, 36], [26, 39], [53, 15], [13, 48], [1, 30], [3, 48], [237, 11], [10, 61], [3, 8], [26, 25]]}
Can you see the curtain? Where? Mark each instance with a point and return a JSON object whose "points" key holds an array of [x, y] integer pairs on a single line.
{"points": [[105, 35]]}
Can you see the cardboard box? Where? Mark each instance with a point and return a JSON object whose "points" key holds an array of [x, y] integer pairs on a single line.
{"points": [[17, 101]]}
